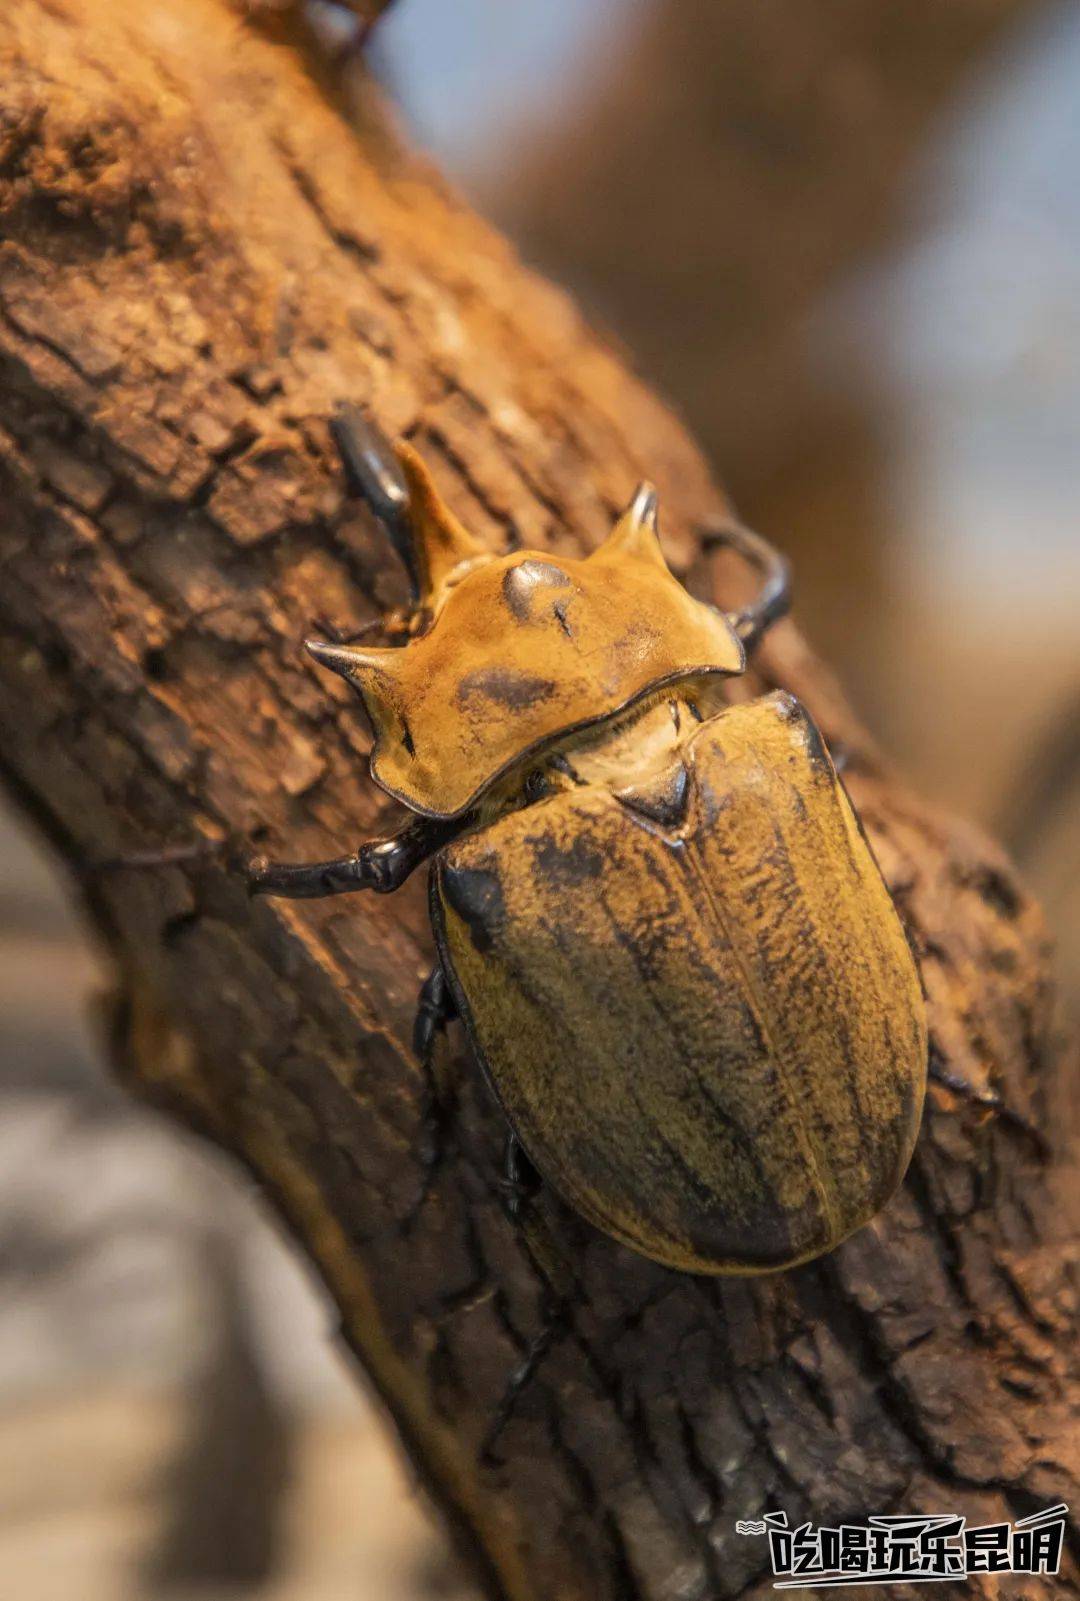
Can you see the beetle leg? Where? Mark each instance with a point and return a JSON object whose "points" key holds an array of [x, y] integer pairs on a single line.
{"points": [[773, 601], [558, 1322], [520, 1180], [381, 865], [434, 1009], [373, 474], [520, 1185]]}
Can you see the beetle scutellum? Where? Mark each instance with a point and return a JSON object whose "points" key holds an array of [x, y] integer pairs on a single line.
{"points": [[656, 914]]}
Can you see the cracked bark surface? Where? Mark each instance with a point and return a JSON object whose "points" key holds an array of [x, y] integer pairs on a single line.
{"points": [[197, 258]]}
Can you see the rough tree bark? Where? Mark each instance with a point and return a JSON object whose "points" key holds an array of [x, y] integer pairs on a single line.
{"points": [[198, 258]]}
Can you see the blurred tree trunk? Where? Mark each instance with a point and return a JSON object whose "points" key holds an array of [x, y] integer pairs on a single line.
{"points": [[198, 258], [723, 171]]}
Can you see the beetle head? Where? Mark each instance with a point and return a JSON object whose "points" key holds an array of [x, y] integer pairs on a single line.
{"points": [[520, 649]]}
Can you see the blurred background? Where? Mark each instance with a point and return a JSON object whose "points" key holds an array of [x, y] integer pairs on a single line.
{"points": [[843, 237]]}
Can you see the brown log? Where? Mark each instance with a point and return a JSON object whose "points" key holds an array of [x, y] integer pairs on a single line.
{"points": [[198, 259]]}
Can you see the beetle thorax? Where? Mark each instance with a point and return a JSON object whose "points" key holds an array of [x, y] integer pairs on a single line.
{"points": [[632, 750], [523, 653]]}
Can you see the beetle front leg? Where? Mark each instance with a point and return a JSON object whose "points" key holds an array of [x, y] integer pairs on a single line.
{"points": [[381, 865], [773, 600], [435, 1008]]}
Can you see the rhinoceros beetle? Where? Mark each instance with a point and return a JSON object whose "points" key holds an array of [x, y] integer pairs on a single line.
{"points": [[655, 912]]}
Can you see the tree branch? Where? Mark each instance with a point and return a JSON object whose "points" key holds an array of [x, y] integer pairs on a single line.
{"points": [[198, 259]]}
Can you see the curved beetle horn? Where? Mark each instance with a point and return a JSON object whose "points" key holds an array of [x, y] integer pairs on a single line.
{"points": [[439, 542], [773, 600], [372, 474], [397, 486], [636, 532]]}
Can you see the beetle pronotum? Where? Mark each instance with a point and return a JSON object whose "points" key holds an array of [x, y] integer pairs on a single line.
{"points": [[655, 913]]}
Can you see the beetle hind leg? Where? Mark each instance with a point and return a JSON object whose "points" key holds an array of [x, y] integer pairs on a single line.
{"points": [[522, 1376], [520, 1186]]}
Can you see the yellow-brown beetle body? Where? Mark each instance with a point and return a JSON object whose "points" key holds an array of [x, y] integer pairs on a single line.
{"points": [[694, 998], [658, 916]]}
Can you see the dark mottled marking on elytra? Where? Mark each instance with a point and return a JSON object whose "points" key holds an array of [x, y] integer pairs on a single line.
{"points": [[476, 895], [730, 992], [559, 610], [663, 801], [520, 584], [506, 687], [570, 864]]}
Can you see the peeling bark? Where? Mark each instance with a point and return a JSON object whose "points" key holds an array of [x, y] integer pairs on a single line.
{"points": [[198, 258]]}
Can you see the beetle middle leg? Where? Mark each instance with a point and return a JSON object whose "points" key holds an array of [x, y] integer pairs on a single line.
{"points": [[434, 1010], [520, 1180]]}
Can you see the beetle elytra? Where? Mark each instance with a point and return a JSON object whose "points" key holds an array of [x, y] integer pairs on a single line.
{"points": [[656, 914]]}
